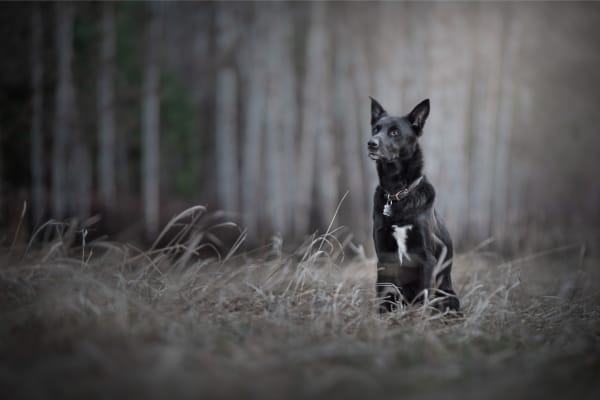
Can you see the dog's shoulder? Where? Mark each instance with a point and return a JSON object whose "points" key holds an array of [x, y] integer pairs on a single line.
{"points": [[421, 199], [426, 190]]}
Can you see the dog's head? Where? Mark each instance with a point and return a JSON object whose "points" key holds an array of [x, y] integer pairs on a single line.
{"points": [[395, 138]]}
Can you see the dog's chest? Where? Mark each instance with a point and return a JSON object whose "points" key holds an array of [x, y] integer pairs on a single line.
{"points": [[401, 235]]}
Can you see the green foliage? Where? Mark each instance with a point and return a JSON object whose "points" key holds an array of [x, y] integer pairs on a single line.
{"points": [[179, 139]]}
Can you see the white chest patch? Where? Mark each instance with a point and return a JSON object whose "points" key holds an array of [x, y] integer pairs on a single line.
{"points": [[400, 233]]}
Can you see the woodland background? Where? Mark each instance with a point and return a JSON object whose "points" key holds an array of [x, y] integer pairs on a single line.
{"points": [[135, 111]]}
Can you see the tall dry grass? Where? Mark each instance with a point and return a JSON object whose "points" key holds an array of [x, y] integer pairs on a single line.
{"points": [[108, 320]]}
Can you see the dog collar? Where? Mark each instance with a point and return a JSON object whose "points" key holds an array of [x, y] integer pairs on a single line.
{"points": [[402, 193]]}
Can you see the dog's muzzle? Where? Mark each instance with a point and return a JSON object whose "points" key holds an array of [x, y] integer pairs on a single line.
{"points": [[373, 147]]}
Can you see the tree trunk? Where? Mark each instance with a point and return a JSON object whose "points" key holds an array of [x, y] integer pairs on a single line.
{"points": [[106, 110], [347, 119], [254, 68], [226, 113], [505, 121], [280, 120], [151, 123], [37, 136], [485, 84], [2, 178], [416, 85], [80, 178], [203, 88], [316, 140], [389, 72], [363, 68], [64, 102], [225, 138], [444, 135]]}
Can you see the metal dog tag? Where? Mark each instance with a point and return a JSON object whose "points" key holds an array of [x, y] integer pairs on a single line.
{"points": [[387, 209]]}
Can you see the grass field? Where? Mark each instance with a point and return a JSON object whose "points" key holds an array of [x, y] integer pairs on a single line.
{"points": [[105, 320]]}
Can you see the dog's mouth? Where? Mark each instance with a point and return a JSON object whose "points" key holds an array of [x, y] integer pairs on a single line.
{"points": [[374, 156]]}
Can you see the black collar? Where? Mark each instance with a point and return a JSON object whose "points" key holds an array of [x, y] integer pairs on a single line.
{"points": [[402, 193]]}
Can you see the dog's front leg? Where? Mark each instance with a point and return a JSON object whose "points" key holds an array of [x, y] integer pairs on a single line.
{"points": [[396, 286], [387, 291], [386, 286], [427, 276]]}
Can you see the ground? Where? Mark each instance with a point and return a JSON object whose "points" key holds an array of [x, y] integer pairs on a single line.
{"points": [[106, 320]]}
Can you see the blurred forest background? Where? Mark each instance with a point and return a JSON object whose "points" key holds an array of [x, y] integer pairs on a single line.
{"points": [[135, 111]]}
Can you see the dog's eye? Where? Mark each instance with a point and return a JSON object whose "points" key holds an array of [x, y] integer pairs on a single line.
{"points": [[376, 128], [393, 132]]}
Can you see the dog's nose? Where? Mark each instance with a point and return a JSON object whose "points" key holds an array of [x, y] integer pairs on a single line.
{"points": [[372, 144]]}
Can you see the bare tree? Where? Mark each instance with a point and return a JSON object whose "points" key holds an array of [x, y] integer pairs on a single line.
{"points": [[444, 138], [64, 103], [1, 187], [226, 143], [280, 120], [363, 87], [106, 110], [388, 72], [203, 84], [37, 136], [79, 177], [253, 59], [226, 114], [348, 119], [316, 142], [505, 121], [151, 123], [417, 61], [485, 95]]}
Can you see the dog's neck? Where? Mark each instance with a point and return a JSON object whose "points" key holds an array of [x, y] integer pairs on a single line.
{"points": [[398, 174]]}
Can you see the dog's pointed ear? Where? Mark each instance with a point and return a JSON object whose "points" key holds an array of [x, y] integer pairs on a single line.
{"points": [[419, 114], [377, 111]]}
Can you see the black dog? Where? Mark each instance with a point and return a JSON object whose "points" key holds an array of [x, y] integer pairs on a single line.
{"points": [[413, 246]]}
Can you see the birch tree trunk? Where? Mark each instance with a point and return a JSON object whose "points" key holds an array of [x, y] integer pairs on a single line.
{"points": [[79, 177], [106, 110], [485, 92], [254, 60], [280, 120], [226, 113], [444, 136], [510, 49], [64, 102], [37, 136], [347, 119], [151, 123], [2, 216], [203, 86], [225, 135], [417, 62], [362, 89], [389, 73], [316, 141], [124, 180]]}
